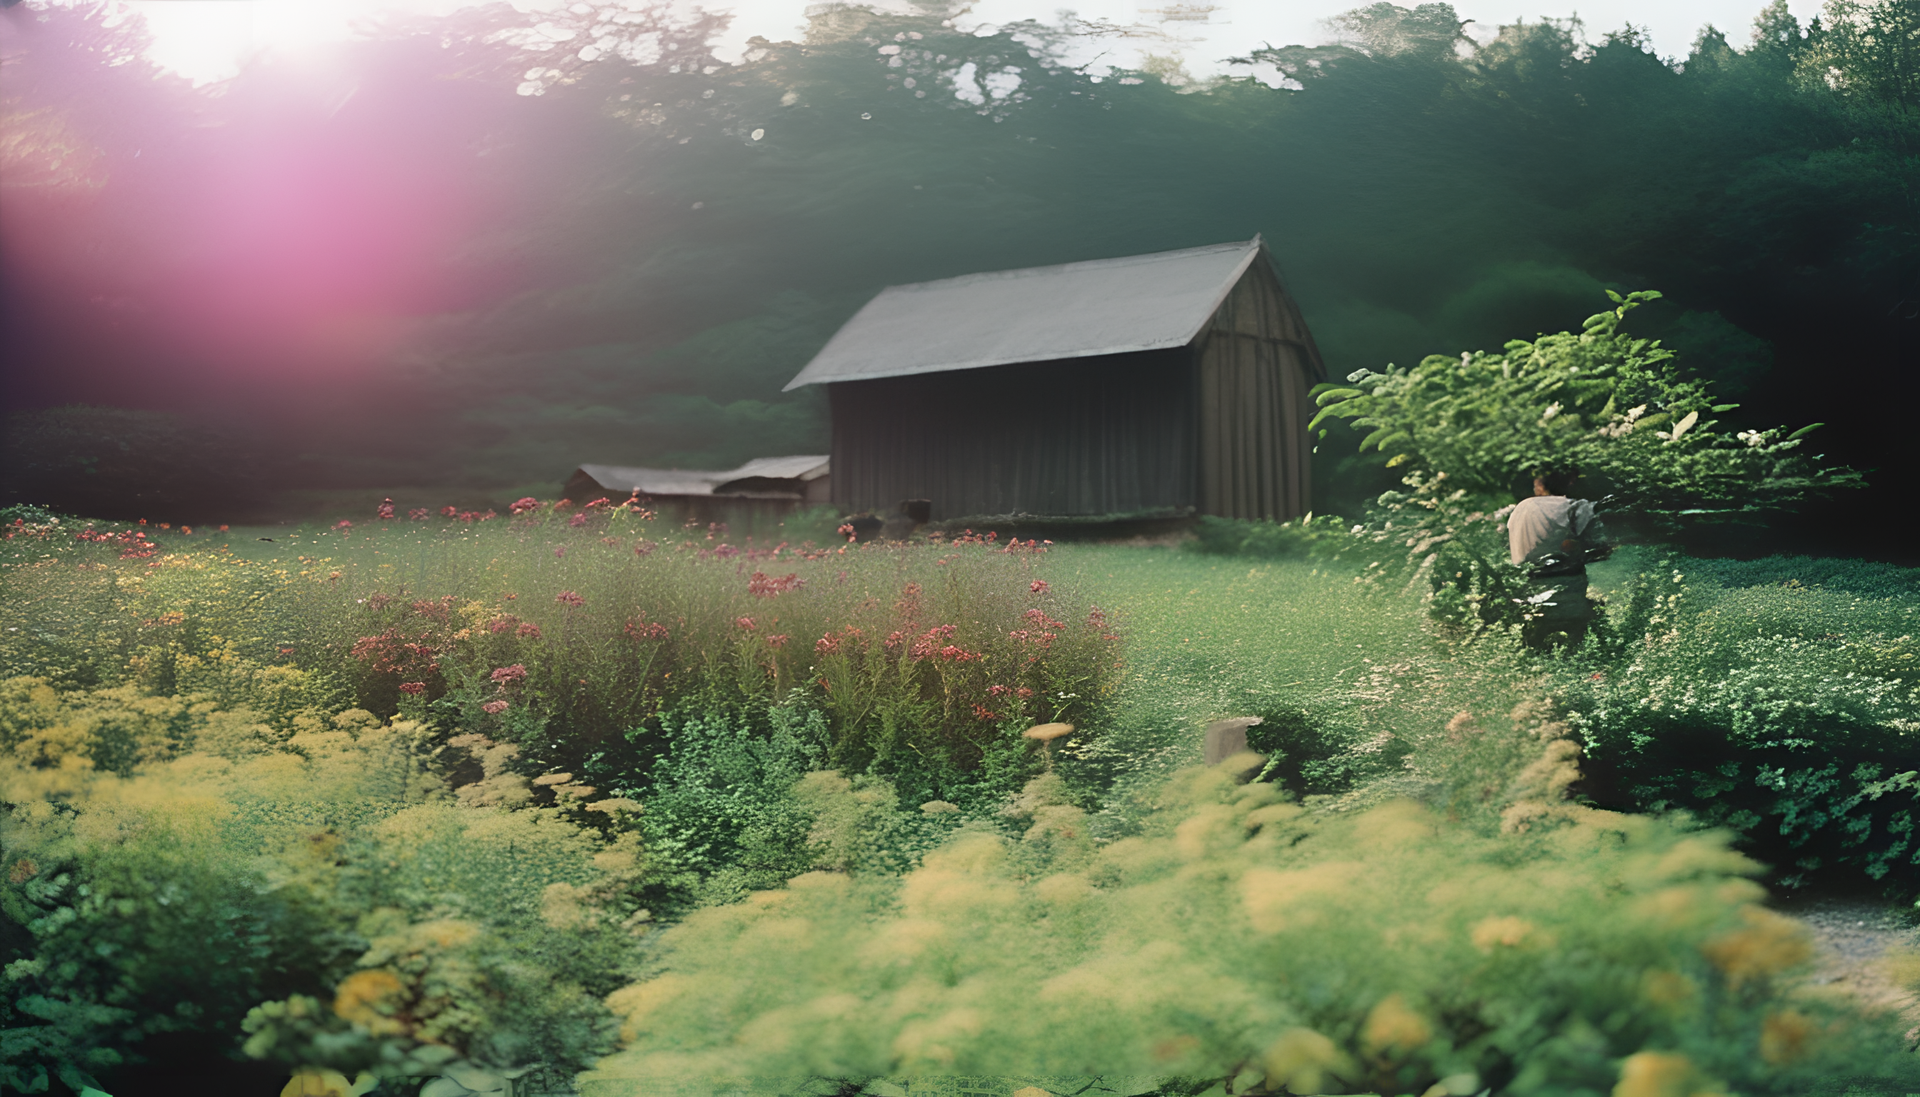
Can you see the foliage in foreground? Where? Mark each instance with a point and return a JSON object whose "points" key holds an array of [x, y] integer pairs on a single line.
{"points": [[1243, 938]]}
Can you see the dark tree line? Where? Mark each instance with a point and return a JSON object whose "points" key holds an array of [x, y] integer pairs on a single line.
{"points": [[599, 242]]}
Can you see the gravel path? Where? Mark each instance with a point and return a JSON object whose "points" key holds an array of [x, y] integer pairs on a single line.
{"points": [[1854, 937]]}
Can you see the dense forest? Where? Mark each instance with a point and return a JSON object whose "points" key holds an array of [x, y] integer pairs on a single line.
{"points": [[470, 252]]}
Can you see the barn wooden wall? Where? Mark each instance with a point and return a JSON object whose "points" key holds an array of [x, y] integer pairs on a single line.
{"points": [[1076, 437], [1256, 363]]}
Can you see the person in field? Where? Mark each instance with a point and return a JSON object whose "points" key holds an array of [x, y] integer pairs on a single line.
{"points": [[1554, 537]]}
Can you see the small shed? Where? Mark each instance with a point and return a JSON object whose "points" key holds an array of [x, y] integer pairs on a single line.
{"points": [[1144, 386], [762, 488]]}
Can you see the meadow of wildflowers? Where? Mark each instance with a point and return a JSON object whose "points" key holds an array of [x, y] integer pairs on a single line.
{"points": [[447, 793]]}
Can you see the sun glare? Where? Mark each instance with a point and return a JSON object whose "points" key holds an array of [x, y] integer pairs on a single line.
{"points": [[208, 40]]}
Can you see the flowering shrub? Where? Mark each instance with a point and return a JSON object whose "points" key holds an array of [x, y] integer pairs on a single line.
{"points": [[1241, 939], [323, 895]]}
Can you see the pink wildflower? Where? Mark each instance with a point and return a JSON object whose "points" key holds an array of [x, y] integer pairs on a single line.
{"points": [[603, 501], [778, 641], [341, 524], [579, 519], [1038, 586], [417, 514], [563, 504], [745, 623], [523, 504], [385, 510], [827, 644], [569, 598], [413, 688], [505, 676], [449, 511], [494, 708], [646, 630], [529, 630]]}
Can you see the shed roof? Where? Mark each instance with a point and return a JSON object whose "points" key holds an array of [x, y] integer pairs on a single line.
{"points": [[1074, 310], [708, 481]]}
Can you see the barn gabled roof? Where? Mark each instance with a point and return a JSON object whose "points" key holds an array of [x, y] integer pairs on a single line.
{"points": [[1074, 310], [646, 481]]}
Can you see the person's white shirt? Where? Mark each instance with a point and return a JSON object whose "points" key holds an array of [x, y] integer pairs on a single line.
{"points": [[1540, 523]]}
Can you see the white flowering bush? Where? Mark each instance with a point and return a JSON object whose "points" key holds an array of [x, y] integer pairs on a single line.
{"points": [[1612, 406]]}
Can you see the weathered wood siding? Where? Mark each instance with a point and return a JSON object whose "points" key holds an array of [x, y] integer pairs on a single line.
{"points": [[1256, 363], [1083, 436]]}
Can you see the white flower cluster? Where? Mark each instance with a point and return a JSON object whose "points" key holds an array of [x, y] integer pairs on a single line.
{"points": [[1622, 425]]}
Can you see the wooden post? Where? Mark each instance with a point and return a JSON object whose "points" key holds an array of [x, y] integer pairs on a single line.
{"points": [[1226, 738]]}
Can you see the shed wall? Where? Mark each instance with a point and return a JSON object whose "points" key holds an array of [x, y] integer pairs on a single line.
{"points": [[1084, 436], [1256, 365]]}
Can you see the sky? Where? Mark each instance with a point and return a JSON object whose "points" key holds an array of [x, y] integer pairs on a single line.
{"points": [[207, 39]]}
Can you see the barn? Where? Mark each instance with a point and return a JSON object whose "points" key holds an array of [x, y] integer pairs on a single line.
{"points": [[758, 493], [1158, 385]]}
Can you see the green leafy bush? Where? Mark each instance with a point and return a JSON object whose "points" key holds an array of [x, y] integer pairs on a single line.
{"points": [[1785, 712], [1600, 401]]}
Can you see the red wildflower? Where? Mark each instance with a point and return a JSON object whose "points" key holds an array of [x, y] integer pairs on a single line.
{"points": [[1023, 692], [529, 630], [502, 624], [341, 524], [223, 529], [1038, 586], [563, 504], [169, 525], [384, 512], [827, 644], [764, 586], [745, 623], [846, 530], [579, 519], [569, 598], [646, 630], [523, 504], [494, 708], [982, 712], [778, 641], [506, 676], [449, 511], [413, 688], [560, 553], [143, 521], [998, 691], [417, 514], [603, 501]]}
